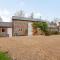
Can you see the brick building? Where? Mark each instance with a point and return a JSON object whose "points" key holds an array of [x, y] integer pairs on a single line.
{"points": [[23, 26], [5, 29]]}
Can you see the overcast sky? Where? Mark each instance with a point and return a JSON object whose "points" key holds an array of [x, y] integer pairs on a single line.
{"points": [[45, 8]]}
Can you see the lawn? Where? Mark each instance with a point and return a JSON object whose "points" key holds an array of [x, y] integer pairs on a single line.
{"points": [[4, 56]]}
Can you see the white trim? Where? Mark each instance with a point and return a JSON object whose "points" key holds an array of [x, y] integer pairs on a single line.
{"points": [[9, 31], [29, 28]]}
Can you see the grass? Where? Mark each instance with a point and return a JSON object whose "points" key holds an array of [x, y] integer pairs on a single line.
{"points": [[4, 56]]}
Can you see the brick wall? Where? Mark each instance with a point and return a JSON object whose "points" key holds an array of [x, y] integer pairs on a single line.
{"points": [[20, 27]]}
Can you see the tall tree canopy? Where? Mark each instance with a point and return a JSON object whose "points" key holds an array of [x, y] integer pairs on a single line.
{"points": [[20, 13]]}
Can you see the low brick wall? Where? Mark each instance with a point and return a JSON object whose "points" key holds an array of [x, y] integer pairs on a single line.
{"points": [[4, 35]]}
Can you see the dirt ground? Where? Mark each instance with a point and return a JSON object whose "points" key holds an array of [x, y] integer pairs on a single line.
{"points": [[32, 47]]}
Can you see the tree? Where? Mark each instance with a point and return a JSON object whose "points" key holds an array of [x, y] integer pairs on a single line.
{"points": [[32, 15], [35, 25], [42, 25], [20, 13], [45, 26], [0, 19]]}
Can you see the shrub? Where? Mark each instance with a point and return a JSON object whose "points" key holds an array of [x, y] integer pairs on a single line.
{"points": [[47, 33], [56, 33]]}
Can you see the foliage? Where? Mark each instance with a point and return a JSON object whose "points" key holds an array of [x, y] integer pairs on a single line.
{"points": [[4, 56], [51, 33], [42, 25], [55, 33], [45, 26], [35, 25], [47, 33]]}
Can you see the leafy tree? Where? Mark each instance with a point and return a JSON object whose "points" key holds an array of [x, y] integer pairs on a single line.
{"points": [[45, 26], [35, 25], [42, 25]]}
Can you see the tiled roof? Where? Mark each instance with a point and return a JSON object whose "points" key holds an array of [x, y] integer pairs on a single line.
{"points": [[26, 19], [6, 24]]}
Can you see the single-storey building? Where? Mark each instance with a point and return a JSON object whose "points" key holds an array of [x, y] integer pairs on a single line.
{"points": [[53, 27], [5, 29], [22, 26]]}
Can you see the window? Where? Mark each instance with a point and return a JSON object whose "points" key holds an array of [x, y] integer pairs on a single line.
{"points": [[20, 29], [3, 30]]}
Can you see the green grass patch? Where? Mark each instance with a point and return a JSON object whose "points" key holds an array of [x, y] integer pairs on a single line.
{"points": [[4, 56]]}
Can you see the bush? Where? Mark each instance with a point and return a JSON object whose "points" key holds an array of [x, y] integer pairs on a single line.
{"points": [[47, 33], [56, 33]]}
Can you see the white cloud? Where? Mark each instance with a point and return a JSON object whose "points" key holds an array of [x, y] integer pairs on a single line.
{"points": [[5, 14], [27, 14], [36, 14]]}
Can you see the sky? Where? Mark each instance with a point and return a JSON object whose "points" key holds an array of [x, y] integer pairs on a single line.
{"points": [[47, 9]]}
